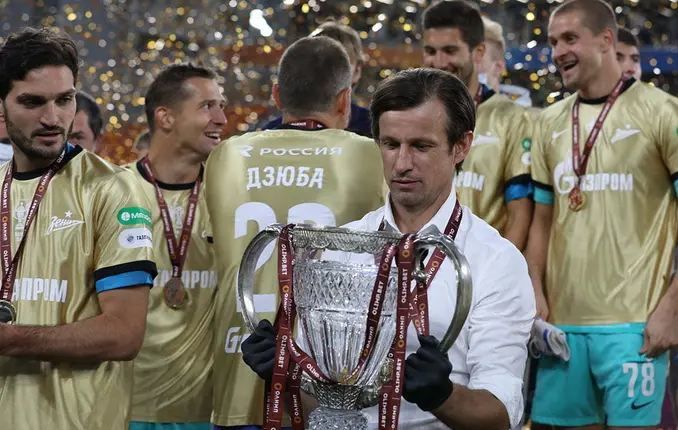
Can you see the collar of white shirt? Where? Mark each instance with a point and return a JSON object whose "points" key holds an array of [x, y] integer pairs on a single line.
{"points": [[440, 219]]}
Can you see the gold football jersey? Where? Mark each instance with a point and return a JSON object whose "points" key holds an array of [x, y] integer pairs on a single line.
{"points": [[497, 168], [173, 371], [610, 262], [87, 237], [328, 177]]}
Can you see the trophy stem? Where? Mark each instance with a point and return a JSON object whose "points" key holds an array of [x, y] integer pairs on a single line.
{"points": [[324, 418]]}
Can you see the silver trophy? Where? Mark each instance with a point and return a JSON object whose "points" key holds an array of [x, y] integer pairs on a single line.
{"points": [[332, 292]]}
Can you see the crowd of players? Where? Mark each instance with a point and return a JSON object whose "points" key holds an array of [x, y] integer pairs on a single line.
{"points": [[585, 190]]}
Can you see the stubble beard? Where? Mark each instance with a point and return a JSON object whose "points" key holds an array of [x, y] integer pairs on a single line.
{"points": [[28, 147]]}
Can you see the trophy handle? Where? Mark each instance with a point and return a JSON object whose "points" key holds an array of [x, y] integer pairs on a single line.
{"points": [[248, 265], [432, 237]]}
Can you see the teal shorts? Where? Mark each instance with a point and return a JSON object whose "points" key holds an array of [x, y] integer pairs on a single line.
{"points": [[606, 380], [138, 425]]}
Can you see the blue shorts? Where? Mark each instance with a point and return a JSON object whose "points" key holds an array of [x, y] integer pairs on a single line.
{"points": [[606, 380], [138, 425]]}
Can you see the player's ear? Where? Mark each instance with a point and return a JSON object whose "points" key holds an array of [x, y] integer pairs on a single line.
{"points": [[462, 147], [607, 42], [275, 93], [164, 119], [343, 102], [478, 54]]}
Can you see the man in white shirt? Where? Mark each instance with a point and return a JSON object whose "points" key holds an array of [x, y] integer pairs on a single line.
{"points": [[423, 121]]}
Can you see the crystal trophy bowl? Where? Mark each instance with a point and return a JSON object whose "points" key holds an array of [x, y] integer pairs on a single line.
{"points": [[334, 273]]}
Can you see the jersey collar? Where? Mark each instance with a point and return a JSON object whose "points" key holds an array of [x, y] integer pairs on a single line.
{"points": [[486, 93], [165, 185], [71, 152], [601, 100]]}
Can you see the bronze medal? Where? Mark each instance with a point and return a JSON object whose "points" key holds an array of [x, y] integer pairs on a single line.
{"points": [[580, 161], [175, 293], [7, 312], [577, 199]]}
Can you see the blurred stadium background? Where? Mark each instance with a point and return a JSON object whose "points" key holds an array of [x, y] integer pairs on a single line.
{"points": [[123, 44]]}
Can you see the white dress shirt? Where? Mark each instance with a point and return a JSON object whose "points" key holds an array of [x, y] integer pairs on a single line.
{"points": [[491, 351]]}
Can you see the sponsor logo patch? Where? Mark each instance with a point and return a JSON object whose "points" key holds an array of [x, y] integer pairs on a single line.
{"points": [[134, 215], [139, 237]]}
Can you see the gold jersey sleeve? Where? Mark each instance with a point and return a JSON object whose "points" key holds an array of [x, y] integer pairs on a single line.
{"points": [[76, 247], [173, 371], [328, 177], [610, 262], [497, 168]]}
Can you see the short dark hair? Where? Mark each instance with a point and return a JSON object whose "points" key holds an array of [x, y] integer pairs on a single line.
{"points": [[311, 73], [624, 35], [411, 88], [32, 49], [596, 15], [343, 34], [85, 103], [168, 87], [456, 14]]}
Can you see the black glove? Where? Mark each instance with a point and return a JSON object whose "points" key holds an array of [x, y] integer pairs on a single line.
{"points": [[427, 375], [258, 350]]}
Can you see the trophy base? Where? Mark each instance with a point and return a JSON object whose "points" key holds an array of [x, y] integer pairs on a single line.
{"points": [[323, 418]]}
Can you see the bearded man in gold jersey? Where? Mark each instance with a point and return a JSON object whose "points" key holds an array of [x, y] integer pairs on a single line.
{"points": [[605, 170], [173, 372], [494, 179], [76, 269]]}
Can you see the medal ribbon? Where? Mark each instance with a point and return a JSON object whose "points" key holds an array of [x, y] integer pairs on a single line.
{"points": [[307, 124], [391, 392], [419, 299], [177, 252], [478, 98], [412, 306], [285, 371], [579, 162], [9, 263], [419, 307]]}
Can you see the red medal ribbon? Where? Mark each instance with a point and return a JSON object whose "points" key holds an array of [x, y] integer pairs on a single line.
{"points": [[286, 373], [9, 263], [374, 309], [478, 98], [579, 162], [391, 393], [177, 252], [419, 307], [411, 306], [307, 124]]}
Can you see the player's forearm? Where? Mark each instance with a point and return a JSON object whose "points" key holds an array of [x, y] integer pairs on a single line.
{"points": [[537, 244], [468, 409], [518, 223], [100, 338]]}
